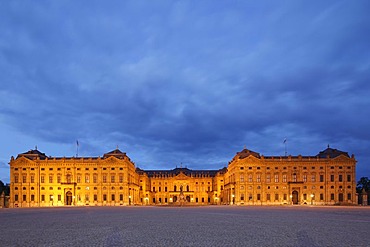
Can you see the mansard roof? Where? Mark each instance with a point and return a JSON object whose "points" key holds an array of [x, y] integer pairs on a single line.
{"points": [[331, 153], [186, 171], [32, 155], [246, 153], [115, 153]]}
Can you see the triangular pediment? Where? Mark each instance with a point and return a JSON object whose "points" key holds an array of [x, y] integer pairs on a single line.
{"points": [[24, 161], [111, 159], [341, 157], [181, 175]]}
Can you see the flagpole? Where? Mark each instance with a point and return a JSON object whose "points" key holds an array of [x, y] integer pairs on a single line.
{"points": [[77, 144], [285, 147]]}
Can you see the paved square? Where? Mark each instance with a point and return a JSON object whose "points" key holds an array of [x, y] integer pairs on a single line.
{"points": [[186, 226]]}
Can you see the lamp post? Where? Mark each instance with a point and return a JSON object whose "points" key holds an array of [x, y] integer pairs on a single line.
{"points": [[233, 199], [129, 200], [291, 199]]}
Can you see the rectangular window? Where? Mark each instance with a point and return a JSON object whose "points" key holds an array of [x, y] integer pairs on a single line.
{"points": [[340, 178], [42, 198], [165, 200], [24, 198], [313, 178], [196, 200], [242, 197], [241, 178], [284, 178], [304, 196], [304, 178], [59, 197], [51, 178], [95, 197], [32, 178], [15, 197], [78, 178], [104, 178], [332, 196], [294, 177], [104, 197], [153, 189], [276, 197], [95, 178], [15, 178], [258, 197], [268, 197], [332, 178], [121, 197], [250, 178], [285, 197], [87, 178], [348, 178], [42, 179], [258, 178], [165, 189], [59, 178], [349, 196], [321, 178], [121, 178], [268, 179], [32, 198], [113, 197], [112, 179], [321, 197], [24, 179], [202, 199]]}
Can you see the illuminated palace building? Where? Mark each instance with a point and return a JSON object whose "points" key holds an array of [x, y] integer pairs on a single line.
{"points": [[249, 179]]}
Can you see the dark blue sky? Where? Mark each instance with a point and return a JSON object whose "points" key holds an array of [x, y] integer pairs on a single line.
{"points": [[189, 82]]}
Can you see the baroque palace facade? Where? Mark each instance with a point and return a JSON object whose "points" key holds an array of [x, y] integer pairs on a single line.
{"points": [[249, 179]]}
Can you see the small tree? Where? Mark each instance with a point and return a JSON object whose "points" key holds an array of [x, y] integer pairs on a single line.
{"points": [[363, 185]]}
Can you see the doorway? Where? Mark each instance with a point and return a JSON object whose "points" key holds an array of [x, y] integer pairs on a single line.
{"points": [[69, 198], [295, 197]]}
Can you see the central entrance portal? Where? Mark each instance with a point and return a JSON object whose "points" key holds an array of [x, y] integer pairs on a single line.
{"points": [[295, 197], [68, 198]]}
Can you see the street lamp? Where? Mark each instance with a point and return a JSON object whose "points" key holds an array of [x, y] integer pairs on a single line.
{"points": [[129, 200], [291, 199], [233, 201]]}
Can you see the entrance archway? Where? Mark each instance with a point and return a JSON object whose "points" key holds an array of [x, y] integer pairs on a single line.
{"points": [[68, 198], [188, 198], [295, 197], [174, 198]]}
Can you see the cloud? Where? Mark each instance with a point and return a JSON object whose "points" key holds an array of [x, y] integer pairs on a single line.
{"points": [[177, 82]]}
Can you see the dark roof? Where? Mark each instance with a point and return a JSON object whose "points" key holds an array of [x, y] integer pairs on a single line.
{"points": [[246, 153], [331, 153], [115, 153], [186, 171], [33, 154]]}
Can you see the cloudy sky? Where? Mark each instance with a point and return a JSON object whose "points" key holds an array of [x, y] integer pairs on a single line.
{"points": [[189, 82]]}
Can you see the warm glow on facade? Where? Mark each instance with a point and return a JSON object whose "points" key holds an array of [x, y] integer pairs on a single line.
{"points": [[249, 179]]}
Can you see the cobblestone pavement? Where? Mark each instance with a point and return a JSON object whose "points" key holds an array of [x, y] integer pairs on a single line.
{"points": [[186, 226]]}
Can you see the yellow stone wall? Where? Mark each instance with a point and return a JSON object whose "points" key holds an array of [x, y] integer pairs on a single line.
{"points": [[113, 180]]}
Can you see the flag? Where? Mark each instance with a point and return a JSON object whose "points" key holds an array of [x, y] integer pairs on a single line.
{"points": [[78, 144], [284, 141]]}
